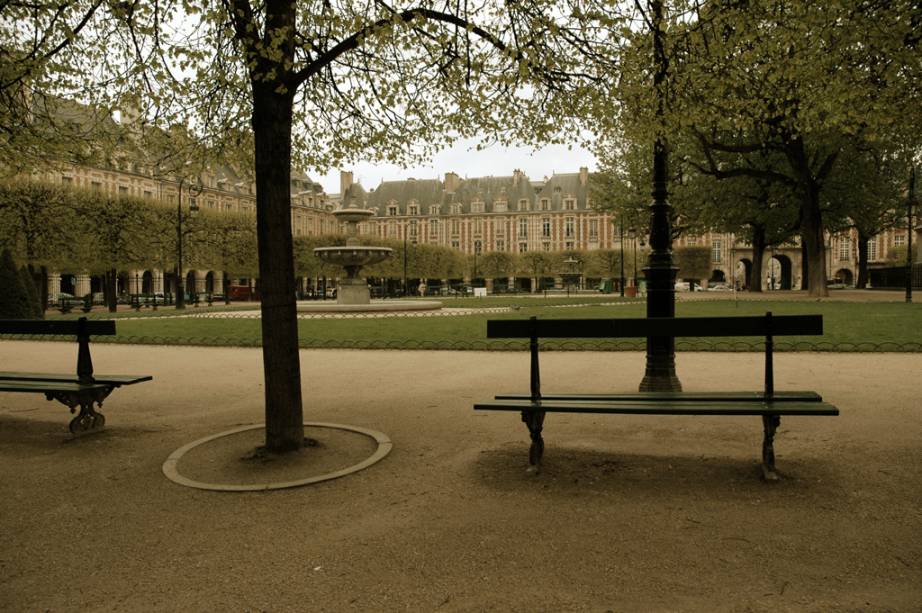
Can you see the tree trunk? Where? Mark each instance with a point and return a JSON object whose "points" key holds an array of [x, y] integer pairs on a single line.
{"points": [[111, 289], [272, 114], [758, 255], [811, 233], [804, 267], [863, 239]]}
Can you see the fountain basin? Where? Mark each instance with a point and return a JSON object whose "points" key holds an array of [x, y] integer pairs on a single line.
{"points": [[353, 255]]}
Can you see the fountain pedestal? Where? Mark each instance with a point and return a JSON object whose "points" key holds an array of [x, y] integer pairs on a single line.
{"points": [[352, 257], [352, 291]]}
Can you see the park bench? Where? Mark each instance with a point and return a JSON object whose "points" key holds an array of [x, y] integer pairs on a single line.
{"points": [[767, 403], [83, 389]]}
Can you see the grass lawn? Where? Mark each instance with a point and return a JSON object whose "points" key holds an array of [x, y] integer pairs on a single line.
{"points": [[849, 326]]}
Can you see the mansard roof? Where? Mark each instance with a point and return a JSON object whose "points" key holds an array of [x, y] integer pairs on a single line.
{"points": [[423, 192], [567, 185]]}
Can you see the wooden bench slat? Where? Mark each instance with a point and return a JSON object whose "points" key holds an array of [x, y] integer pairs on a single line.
{"points": [[662, 408], [108, 379], [781, 325], [105, 327], [50, 386], [788, 396]]}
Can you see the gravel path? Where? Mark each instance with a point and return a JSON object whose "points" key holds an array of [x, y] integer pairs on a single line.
{"points": [[629, 514]]}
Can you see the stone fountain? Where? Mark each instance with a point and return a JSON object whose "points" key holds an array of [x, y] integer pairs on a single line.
{"points": [[353, 290]]}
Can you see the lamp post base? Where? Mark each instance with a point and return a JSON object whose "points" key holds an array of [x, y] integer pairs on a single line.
{"points": [[660, 382]]}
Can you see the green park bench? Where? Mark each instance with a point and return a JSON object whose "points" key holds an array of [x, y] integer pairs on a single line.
{"points": [[767, 403], [83, 389]]}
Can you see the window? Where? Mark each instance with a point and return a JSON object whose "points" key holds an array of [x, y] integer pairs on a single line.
{"points": [[545, 204], [455, 244], [716, 250], [872, 249], [414, 209], [691, 241], [434, 209], [594, 229], [524, 205], [546, 227], [523, 247], [569, 204], [456, 209], [433, 227], [96, 186], [413, 230], [455, 226], [845, 250], [193, 202], [392, 210], [391, 229], [545, 246], [122, 190], [148, 193], [499, 207], [500, 244], [568, 227], [478, 226], [523, 228], [899, 240], [478, 246], [477, 207], [568, 245]]}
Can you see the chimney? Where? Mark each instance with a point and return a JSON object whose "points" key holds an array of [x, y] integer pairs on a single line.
{"points": [[452, 181], [583, 175], [345, 182], [516, 177]]}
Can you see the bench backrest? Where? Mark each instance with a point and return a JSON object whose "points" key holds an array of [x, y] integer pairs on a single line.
{"points": [[81, 328], [766, 325], [759, 325]]}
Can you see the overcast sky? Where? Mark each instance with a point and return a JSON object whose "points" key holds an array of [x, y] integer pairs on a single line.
{"points": [[463, 159]]}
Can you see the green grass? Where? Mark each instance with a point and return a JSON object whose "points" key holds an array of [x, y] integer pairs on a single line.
{"points": [[848, 327]]}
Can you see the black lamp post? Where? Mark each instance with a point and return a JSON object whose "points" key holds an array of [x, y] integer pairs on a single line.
{"points": [[910, 202], [660, 375], [194, 191], [621, 240], [412, 228]]}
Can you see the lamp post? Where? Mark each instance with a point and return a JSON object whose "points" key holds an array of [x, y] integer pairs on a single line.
{"points": [[412, 228], [621, 241], [194, 191], [910, 202], [660, 375]]}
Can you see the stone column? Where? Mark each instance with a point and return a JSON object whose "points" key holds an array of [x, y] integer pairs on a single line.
{"points": [[54, 286], [489, 285], [219, 282], [82, 285], [157, 281], [200, 281], [134, 281]]}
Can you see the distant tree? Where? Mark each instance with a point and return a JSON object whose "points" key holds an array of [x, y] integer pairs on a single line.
{"points": [[694, 263], [14, 302], [33, 298]]}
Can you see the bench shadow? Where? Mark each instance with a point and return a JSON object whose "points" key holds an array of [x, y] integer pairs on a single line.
{"points": [[32, 434], [568, 471]]}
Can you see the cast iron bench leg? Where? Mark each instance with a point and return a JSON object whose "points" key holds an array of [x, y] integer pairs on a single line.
{"points": [[535, 421], [770, 424], [88, 420]]}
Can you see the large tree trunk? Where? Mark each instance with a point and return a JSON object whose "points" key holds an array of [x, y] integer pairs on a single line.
{"points": [[863, 239], [272, 114], [758, 254], [811, 233]]}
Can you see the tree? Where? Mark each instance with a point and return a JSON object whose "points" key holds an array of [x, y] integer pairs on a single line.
{"points": [[694, 263], [14, 302], [535, 264], [31, 295]]}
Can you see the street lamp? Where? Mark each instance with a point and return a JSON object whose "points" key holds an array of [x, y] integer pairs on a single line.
{"points": [[910, 202], [194, 190], [621, 240], [660, 374], [476, 251], [412, 227]]}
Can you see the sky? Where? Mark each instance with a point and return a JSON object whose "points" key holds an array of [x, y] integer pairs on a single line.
{"points": [[464, 160]]}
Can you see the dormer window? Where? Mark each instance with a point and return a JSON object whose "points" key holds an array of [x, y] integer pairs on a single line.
{"points": [[545, 204], [499, 207], [434, 209], [524, 205], [414, 209], [569, 204], [477, 207], [392, 210]]}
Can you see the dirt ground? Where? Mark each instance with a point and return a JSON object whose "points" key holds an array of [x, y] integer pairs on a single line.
{"points": [[629, 514]]}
